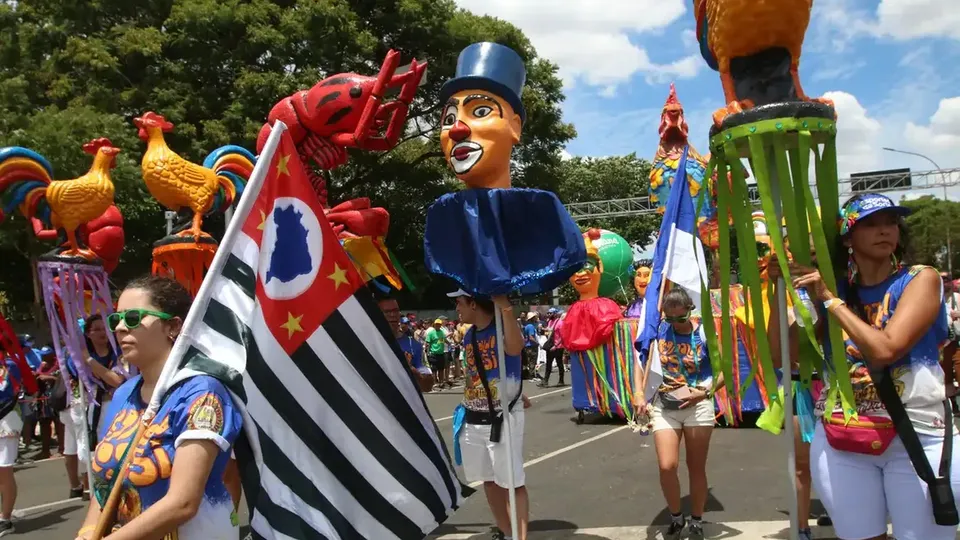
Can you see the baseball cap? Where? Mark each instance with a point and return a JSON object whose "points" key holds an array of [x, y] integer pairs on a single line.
{"points": [[864, 206], [404, 320], [553, 310], [458, 293], [438, 321]]}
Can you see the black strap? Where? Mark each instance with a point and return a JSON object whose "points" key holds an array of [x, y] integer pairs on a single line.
{"points": [[495, 419], [883, 382]]}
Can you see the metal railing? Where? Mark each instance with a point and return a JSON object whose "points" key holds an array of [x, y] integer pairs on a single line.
{"points": [[636, 206]]}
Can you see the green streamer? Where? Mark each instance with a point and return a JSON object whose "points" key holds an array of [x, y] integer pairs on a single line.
{"points": [[723, 230]]}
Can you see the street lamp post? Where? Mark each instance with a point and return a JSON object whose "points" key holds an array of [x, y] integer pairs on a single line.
{"points": [[949, 250]]}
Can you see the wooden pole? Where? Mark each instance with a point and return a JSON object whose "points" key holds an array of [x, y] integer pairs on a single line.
{"points": [[109, 511]]}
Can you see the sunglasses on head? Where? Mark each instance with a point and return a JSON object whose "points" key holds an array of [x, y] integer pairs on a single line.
{"points": [[133, 317]]}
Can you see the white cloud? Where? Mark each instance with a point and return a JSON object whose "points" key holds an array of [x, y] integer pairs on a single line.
{"points": [[591, 42], [907, 19], [942, 134], [857, 135], [564, 155]]}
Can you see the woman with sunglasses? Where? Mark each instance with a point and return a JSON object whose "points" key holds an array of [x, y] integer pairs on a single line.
{"points": [[892, 317], [175, 486], [682, 409]]}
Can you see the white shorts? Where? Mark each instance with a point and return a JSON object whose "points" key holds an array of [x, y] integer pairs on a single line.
{"points": [[74, 431], [859, 491], [700, 415], [9, 446], [485, 461]]}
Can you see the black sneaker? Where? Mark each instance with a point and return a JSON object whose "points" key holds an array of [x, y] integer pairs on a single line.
{"points": [[676, 527], [76, 493], [695, 529], [497, 535], [6, 527], [824, 521]]}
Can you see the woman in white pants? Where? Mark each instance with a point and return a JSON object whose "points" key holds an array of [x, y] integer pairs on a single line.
{"points": [[892, 319]]}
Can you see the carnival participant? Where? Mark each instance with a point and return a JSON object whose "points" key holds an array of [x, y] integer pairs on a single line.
{"points": [[531, 345], [50, 382], [434, 340], [682, 409], [10, 426], [890, 326], [175, 486], [951, 351], [553, 346], [412, 351], [485, 457]]}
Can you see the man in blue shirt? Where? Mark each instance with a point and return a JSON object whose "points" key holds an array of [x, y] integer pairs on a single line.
{"points": [[531, 345], [412, 349]]}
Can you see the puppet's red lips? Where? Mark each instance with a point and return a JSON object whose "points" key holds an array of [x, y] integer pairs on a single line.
{"points": [[465, 150], [462, 152]]}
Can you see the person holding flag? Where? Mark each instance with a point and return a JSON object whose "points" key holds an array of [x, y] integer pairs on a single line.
{"points": [[174, 482], [676, 383]]}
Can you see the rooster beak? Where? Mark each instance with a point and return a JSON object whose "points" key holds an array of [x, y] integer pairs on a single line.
{"points": [[110, 150]]}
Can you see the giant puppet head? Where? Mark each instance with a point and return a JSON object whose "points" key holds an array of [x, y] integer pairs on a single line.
{"points": [[641, 280], [483, 115], [587, 280], [673, 125]]}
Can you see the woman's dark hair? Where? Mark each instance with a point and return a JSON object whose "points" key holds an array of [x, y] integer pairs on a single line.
{"points": [[841, 258], [167, 294], [677, 297], [88, 322]]}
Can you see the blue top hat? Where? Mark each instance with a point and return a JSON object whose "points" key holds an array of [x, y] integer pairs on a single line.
{"points": [[492, 67]]}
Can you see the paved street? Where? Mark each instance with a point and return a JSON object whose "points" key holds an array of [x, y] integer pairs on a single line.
{"points": [[590, 482]]}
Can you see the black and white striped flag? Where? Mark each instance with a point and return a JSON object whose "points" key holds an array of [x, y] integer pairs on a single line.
{"points": [[339, 443]]}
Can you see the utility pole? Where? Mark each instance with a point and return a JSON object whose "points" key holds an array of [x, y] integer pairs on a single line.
{"points": [[945, 198]]}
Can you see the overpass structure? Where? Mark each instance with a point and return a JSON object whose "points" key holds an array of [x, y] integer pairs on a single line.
{"points": [[877, 183]]}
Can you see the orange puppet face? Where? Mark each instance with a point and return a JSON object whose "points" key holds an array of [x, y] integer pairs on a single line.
{"points": [[641, 280], [478, 133], [587, 280]]}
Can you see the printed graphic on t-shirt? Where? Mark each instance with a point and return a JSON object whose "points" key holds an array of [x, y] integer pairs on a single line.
{"points": [[474, 395], [675, 349]]}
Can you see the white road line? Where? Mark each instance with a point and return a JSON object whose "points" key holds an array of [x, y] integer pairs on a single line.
{"points": [[531, 399], [23, 512], [746, 530], [565, 449]]}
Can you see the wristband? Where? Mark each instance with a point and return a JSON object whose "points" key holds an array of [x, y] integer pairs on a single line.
{"points": [[833, 303]]}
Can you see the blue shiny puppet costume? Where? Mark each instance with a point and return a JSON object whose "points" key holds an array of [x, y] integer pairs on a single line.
{"points": [[495, 240]]}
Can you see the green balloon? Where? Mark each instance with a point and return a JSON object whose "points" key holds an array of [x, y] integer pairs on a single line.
{"points": [[617, 258]]}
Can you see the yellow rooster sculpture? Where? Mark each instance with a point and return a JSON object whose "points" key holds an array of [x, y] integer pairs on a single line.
{"points": [[26, 181], [177, 183]]}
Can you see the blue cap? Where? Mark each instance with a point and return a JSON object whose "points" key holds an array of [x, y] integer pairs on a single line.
{"points": [[45, 350], [25, 339], [404, 320], [865, 205], [492, 67], [553, 310]]}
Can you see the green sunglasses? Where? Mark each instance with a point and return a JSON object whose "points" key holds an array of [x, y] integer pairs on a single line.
{"points": [[133, 317], [681, 319]]}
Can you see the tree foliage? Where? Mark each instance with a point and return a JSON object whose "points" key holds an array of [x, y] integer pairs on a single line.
{"points": [[73, 70], [932, 220]]}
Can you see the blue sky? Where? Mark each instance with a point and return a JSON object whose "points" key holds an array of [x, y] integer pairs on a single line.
{"points": [[891, 66]]}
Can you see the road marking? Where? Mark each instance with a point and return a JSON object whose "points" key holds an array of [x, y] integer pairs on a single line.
{"points": [[20, 513], [752, 530], [531, 399], [565, 449]]}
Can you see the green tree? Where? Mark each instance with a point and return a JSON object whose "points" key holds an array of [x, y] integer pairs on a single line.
{"points": [[216, 67], [928, 226]]}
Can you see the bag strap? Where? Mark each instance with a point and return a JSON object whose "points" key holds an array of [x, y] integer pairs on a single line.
{"points": [[482, 371], [883, 382]]}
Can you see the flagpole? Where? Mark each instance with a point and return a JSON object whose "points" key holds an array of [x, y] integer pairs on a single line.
{"points": [[199, 306], [86, 432], [507, 435], [786, 364]]}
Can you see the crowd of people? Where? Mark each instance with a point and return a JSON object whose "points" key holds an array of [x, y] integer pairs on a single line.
{"points": [[901, 350]]}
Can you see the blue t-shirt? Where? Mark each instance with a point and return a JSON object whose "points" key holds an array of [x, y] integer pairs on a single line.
{"points": [[33, 357], [681, 367], [530, 333], [917, 377], [474, 396], [199, 408], [412, 351], [10, 381]]}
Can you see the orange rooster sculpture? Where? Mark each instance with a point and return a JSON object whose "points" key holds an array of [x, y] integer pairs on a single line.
{"points": [[26, 182], [756, 48], [177, 183]]}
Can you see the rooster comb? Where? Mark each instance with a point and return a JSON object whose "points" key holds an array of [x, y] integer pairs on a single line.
{"points": [[156, 118], [672, 97], [589, 238], [95, 145]]}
